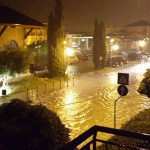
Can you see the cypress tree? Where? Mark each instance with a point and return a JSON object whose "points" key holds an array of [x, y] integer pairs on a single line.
{"points": [[95, 46], [99, 48], [56, 37], [103, 50]]}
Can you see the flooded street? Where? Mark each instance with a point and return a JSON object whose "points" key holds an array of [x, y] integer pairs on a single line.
{"points": [[91, 100]]}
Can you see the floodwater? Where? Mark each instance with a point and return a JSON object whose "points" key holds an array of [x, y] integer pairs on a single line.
{"points": [[91, 100]]}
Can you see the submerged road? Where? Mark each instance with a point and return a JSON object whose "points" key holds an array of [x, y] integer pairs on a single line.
{"points": [[91, 101]]}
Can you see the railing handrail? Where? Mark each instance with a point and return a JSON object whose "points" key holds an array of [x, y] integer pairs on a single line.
{"points": [[93, 130]]}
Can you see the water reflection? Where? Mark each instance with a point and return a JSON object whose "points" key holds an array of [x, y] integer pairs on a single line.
{"points": [[91, 101], [69, 97]]}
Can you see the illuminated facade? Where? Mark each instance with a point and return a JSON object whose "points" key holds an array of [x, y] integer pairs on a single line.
{"points": [[20, 28], [37, 34]]}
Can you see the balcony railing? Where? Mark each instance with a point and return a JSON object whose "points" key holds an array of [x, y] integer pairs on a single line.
{"points": [[92, 145]]}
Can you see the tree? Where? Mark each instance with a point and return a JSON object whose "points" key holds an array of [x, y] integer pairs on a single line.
{"points": [[56, 38], [144, 87], [24, 126], [99, 48], [13, 60]]}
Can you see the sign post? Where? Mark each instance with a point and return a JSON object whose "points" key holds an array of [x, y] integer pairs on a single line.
{"points": [[123, 79], [115, 111]]}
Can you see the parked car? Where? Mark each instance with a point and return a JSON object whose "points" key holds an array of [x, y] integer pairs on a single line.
{"points": [[72, 59], [117, 61], [85, 57], [79, 56]]}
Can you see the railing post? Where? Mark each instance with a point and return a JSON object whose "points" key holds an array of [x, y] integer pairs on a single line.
{"points": [[94, 140]]}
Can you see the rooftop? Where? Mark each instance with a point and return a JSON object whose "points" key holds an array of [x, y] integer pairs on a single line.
{"points": [[140, 23], [13, 17]]}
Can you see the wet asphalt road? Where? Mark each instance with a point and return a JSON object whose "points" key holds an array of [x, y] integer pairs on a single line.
{"points": [[91, 100]]}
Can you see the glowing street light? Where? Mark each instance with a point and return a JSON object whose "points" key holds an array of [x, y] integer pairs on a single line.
{"points": [[69, 51], [115, 47], [64, 42], [142, 43], [112, 40]]}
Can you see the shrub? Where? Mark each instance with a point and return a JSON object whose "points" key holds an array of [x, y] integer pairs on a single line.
{"points": [[144, 87], [14, 60], [30, 127]]}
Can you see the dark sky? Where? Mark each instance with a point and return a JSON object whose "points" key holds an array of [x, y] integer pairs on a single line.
{"points": [[80, 14]]}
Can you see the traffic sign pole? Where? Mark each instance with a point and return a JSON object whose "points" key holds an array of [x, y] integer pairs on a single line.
{"points": [[115, 111]]}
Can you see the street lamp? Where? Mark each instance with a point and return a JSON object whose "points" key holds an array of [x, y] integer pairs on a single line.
{"points": [[142, 43], [64, 42], [112, 40], [114, 48], [67, 52]]}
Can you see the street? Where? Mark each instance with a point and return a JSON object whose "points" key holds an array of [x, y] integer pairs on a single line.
{"points": [[91, 100]]}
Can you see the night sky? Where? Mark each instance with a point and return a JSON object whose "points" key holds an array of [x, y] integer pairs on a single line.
{"points": [[80, 14]]}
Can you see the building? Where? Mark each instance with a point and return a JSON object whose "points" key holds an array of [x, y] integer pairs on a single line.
{"points": [[15, 26]]}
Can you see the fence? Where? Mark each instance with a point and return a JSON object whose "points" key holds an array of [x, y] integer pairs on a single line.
{"points": [[92, 145], [50, 87]]}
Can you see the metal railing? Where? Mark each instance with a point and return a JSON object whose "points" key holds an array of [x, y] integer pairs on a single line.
{"points": [[92, 145]]}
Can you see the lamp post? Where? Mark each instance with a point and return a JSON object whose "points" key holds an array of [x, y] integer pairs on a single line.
{"points": [[142, 44], [67, 52], [114, 48]]}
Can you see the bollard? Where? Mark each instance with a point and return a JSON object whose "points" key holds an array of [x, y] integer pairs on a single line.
{"points": [[67, 82], [60, 84], [53, 86], [73, 80], [45, 88], [37, 92]]}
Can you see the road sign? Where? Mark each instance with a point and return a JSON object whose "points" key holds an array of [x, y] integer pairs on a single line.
{"points": [[122, 90], [123, 78]]}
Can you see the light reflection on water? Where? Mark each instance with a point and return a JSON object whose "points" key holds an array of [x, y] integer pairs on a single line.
{"points": [[91, 102]]}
